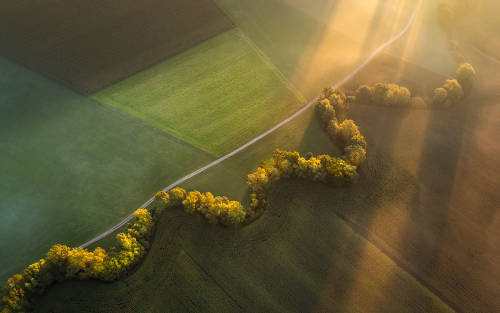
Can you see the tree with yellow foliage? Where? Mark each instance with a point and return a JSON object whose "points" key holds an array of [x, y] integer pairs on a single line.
{"points": [[465, 75], [62, 262]]}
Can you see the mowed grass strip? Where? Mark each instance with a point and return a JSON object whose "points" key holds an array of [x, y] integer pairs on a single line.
{"points": [[215, 96], [71, 167], [91, 44]]}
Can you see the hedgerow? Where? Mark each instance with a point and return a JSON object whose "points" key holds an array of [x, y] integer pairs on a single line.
{"points": [[392, 95], [62, 262]]}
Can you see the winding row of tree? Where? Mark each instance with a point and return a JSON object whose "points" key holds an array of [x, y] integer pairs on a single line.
{"points": [[63, 263], [392, 95]]}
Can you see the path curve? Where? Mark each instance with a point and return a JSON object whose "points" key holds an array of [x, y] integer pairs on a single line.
{"points": [[251, 142]]}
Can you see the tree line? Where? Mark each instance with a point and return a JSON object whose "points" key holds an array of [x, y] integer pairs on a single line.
{"points": [[63, 263], [392, 95]]}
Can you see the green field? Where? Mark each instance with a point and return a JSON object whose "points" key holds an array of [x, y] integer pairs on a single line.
{"points": [[215, 96], [72, 167], [418, 232], [317, 43], [300, 256]]}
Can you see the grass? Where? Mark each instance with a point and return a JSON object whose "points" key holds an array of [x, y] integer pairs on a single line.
{"points": [[71, 167], [215, 96], [300, 256], [417, 233], [124, 37], [295, 259], [317, 43]]}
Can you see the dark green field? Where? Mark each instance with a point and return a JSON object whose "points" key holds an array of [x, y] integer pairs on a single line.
{"points": [[91, 44], [418, 232], [71, 167], [300, 256]]}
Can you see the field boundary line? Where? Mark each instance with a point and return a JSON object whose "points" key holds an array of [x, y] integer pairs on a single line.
{"points": [[378, 244], [273, 67], [271, 130]]}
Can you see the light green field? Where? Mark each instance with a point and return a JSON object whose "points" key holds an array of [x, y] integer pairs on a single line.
{"points": [[317, 43], [215, 96], [301, 256], [71, 167]]}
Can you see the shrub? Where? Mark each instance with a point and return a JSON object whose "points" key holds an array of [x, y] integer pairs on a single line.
{"points": [[161, 202], [418, 103], [62, 262], [397, 96], [455, 92], [379, 93], [339, 171], [331, 129], [465, 76], [439, 96], [347, 131], [334, 93], [214, 209], [338, 100], [176, 196], [365, 94], [391, 95], [325, 112], [355, 154]]}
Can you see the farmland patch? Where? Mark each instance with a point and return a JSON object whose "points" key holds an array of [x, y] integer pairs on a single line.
{"points": [[91, 44]]}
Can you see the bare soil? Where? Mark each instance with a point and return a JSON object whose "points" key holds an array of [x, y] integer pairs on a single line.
{"points": [[91, 44], [446, 231]]}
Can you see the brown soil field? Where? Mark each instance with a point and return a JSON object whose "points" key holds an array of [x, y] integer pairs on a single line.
{"points": [[479, 43], [88, 45], [482, 35], [445, 231]]}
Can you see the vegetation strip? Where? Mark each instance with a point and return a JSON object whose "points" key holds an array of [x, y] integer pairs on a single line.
{"points": [[251, 142], [391, 95], [63, 263]]}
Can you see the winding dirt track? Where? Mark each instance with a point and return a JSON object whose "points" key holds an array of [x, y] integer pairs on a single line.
{"points": [[251, 142]]}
